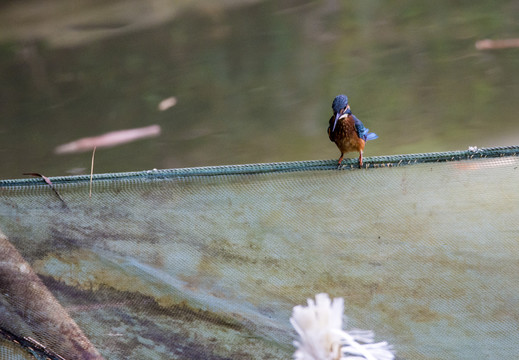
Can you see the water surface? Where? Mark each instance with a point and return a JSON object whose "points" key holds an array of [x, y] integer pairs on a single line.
{"points": [[254, 80]]}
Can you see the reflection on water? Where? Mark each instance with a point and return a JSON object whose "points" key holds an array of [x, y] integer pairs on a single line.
{"points": [[253, 83]]}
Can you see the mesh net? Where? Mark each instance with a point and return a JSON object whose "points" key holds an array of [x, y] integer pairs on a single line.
{"points": [[208, 262]]}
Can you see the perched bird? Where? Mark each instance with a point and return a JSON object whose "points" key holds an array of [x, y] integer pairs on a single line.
{"points": [[346, 131]]}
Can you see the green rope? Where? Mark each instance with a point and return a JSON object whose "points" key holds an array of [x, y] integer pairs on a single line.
{"points": [[312, 165]]}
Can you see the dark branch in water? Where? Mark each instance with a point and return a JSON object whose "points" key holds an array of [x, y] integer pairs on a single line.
{"points": [[30, 344], [48, 182]]}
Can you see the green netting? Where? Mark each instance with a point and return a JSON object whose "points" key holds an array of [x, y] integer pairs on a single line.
{"points": [[208, 262]]}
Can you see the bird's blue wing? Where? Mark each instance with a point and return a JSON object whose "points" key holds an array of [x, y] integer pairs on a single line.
{"points": [[362, 131]]}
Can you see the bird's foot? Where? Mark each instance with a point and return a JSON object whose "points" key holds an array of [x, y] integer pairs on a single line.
{"points": [[340, 161]]}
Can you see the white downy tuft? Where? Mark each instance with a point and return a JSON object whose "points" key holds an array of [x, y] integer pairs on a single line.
{"points": [[319, 326]]}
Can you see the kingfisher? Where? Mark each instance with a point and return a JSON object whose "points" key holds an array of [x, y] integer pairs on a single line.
{"points": [[346, 131]]}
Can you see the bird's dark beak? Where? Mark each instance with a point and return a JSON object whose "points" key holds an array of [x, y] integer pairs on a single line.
{"points": [[337, 116]]}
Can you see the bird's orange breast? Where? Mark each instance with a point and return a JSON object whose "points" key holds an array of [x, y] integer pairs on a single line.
{"points": [[345, 136]]}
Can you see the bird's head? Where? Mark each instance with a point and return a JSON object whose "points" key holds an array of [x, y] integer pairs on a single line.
{"points": [[339, 106]]}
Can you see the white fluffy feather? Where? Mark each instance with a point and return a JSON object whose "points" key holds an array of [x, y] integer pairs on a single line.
{"points": [[319, 326]]}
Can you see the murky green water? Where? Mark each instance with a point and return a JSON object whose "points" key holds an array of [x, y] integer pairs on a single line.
{"points": [[254, 82]]}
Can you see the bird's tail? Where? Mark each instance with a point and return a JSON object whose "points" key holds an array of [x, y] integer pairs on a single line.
{"points": [[371, 136]]}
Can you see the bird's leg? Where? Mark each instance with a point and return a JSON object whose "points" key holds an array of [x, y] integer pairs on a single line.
{"points": [[340, 159], [360, 160]]}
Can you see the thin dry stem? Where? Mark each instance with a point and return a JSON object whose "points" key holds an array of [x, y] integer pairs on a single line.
{"points": [[92, 170]]}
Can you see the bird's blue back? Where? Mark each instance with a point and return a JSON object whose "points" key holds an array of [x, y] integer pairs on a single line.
{"points": [[362, 131]]}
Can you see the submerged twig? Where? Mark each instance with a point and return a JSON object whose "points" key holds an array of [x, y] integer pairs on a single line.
{"points": [[48, 182], [108, 140], [92, 170], [167, 103], [488, 44]]}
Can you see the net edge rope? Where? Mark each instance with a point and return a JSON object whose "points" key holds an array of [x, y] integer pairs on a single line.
{"points": [[263, 168]]}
